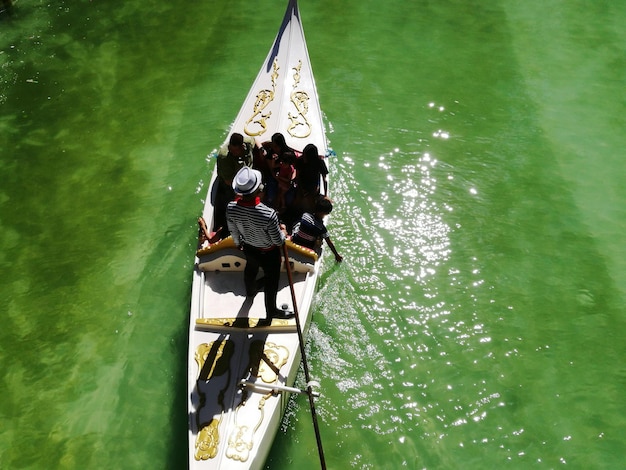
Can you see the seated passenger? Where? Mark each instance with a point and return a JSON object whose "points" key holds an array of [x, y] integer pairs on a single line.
{"points": [[310, 231]]}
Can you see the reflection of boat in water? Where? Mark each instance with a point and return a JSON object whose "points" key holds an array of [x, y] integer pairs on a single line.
{"points": [[236, 367]]}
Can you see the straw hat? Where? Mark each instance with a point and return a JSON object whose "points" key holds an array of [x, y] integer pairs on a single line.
{"points": [[247, 181]]}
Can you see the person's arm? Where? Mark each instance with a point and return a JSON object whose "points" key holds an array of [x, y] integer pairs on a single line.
{"points": [[204, 228], [276, 231], [232, 228], [324, 173], [330, 243], [252, 148]]}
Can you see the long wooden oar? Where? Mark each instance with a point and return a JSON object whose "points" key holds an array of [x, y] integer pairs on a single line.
{"points": [[307, 376]]}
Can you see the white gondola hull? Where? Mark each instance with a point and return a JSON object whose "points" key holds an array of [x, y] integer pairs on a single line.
{"points": [[232, 426]]}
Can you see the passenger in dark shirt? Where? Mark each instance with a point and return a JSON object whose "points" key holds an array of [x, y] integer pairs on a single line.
{"points": [[310, 231], [230, 159], [310, 169]]}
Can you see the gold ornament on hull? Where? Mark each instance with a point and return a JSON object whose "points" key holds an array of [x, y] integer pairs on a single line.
{"points": [[213, 351], [256, 124], [213, 360], [266, 359], [207, 441], [299, 126]]}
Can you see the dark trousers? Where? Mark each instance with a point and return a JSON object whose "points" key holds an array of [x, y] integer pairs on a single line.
{"points": [[223, 196], [269, 261]]}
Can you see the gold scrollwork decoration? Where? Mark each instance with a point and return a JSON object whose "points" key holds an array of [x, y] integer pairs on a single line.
{"points": [[240, 443], [300, 126], [207, 441], [213, 358], [266, 359], [257, 123], [277, 356], [241, 440]]}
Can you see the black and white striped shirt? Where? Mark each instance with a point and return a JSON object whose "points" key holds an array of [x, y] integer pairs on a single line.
{"points": [[309, 231], [254, 224]]}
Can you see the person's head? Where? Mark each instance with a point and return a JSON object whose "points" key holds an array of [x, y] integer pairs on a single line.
{"points": [[278, 142], [247, 182], [310, 152], [286, 159], [323, 205], [235, 145]]}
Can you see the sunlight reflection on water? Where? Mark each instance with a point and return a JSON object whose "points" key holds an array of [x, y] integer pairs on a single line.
{"points": [[408, 315], [476, 318]]}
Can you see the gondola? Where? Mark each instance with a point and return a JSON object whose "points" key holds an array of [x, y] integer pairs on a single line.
{"points": [[241, 373]]}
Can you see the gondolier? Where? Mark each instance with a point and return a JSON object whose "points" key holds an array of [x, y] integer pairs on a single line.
{"points": [[256, 229]]}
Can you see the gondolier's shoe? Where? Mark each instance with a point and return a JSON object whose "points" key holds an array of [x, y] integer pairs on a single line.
{"points": [[283, 314], [278, 315]]}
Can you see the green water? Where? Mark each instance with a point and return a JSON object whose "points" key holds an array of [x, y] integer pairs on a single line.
{"points": [[478, 318]]}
